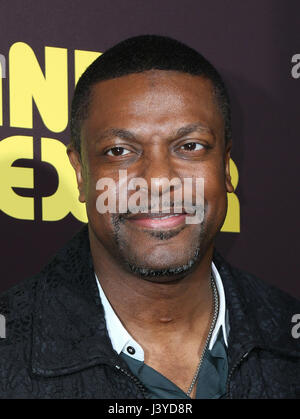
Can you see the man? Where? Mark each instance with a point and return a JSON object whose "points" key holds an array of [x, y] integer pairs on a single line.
{"points": [[139, 304]]}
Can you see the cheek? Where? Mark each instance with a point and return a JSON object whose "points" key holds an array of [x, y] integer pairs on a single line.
{"points": [[93, 174], [215, 193], [216, 200], [102, 225], [214, 187], [213, 176]]}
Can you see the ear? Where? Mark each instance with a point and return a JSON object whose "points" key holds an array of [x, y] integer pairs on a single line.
{"points": [[76, 162], [229, 186]]}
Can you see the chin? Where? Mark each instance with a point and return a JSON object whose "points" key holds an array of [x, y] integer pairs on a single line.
{"points": [[160, 276], [167, 272]]}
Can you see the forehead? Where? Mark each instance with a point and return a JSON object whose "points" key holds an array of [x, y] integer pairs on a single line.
{"points": [[152, 100]]}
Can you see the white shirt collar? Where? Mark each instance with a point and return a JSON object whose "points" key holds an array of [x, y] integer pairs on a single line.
{"points": [[122, 341], [222, 320]]}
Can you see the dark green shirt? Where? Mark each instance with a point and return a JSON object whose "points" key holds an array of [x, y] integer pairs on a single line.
{"points": [[211, 382]]}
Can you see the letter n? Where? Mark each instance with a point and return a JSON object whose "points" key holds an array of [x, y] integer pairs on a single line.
{"points": [[49, 91]]}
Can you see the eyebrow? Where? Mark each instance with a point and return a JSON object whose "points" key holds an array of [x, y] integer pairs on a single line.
{"points": [[181, 132], [188, 129], [116, 132]]}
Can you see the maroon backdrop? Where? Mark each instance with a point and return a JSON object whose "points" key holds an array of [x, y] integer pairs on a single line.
{"points": [[252, 43]]}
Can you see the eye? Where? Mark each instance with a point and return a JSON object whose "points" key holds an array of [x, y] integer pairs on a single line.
{"points": [[117, 151], [191, 147]]}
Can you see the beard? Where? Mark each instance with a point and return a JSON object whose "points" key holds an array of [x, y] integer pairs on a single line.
{"points": [[171, 272], [197, 249]]}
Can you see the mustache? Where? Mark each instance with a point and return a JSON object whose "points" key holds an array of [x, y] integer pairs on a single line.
{"points": [[170, 208]]}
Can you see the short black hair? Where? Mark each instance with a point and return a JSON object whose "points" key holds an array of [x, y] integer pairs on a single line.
{"points": [[139, 54]]}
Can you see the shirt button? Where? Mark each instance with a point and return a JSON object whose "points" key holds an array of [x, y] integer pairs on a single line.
{"points": [[130, 350]]}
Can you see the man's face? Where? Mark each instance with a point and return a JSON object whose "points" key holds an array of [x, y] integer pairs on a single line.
{"points": [[156, 124]]}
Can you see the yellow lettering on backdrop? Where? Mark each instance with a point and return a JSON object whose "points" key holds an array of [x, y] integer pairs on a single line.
{"points": [[1, 98], [64, 200], [82, 59], [49, 91], [12, 149], [232, 220]]}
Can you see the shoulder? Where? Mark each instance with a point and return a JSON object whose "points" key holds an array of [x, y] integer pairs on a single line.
{"points": [[267, 313], [257, 291], [16, 306], [16, 309]]}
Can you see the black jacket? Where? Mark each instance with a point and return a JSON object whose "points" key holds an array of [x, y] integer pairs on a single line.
{"points": [[57, 345]]}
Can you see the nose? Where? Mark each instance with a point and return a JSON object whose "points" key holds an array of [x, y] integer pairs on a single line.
{"points": [[158, 170]]}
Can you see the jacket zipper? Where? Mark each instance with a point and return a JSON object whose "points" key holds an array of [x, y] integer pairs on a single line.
{"points": [[235, 366], [136, 381], [143, 390]]}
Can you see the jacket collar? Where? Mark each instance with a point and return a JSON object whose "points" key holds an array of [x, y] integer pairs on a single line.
{"points": [[259, 314], [69, 329]]}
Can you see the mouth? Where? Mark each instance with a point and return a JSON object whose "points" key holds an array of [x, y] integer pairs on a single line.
{"points": [[159, 221]]}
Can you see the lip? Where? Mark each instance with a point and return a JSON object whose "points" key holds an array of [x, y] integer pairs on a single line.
{"points": [[159, 222]]}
